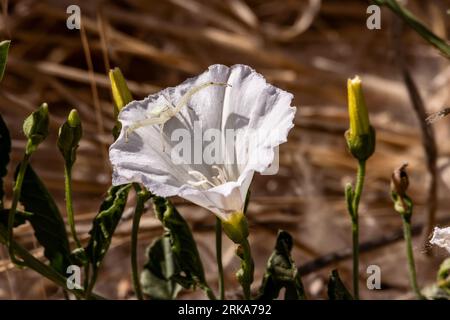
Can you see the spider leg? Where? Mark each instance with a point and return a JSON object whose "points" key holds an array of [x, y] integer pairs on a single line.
{"points": [[185, 98], [168, 100], [161, 133], [141, 123]]}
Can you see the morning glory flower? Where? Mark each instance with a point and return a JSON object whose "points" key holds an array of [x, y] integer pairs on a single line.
{"points": [[204, 139], [441, 238]]}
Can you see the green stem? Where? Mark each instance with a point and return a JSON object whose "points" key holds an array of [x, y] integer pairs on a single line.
{"points": [[142, 197], [70, 213], [355, 249], [91, 285], [219, 258], [30, 261], [410, 255], [87, 270], [15, 201], [355, 225], [419, 27], [69, 204], [245, 274], [209, 293]]}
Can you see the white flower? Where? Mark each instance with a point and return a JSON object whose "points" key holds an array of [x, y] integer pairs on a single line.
{"points": [[441, 238], [221, 99]]}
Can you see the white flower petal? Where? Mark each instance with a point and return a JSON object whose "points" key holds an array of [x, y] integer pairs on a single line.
{"points": [[259, 114], [441, 238]]}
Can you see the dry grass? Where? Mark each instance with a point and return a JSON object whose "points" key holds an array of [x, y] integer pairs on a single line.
{"points": [[309, 48]]}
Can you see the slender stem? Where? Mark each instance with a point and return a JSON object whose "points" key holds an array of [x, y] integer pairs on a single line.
{"points": [[87, 270], [355, 225], [15, 201], [410, 255], [141, 198], [69, 203], [247, 268], [30, 261], [209, 293], [219, 258], [70, 214], [355, 250], [359, 185], [91, 285]]}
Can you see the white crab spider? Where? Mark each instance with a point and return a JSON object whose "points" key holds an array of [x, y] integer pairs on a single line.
{"points": [[160, 115]]}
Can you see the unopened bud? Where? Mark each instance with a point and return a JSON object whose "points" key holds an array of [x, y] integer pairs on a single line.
{"points": [[399, 185], [121, 94], [35, 128], [69, 136], [360, 136]]}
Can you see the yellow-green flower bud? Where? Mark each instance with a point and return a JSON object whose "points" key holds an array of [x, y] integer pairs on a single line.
{"points": [[235, 227], [73, 119], [35, 128], [69, 136], [121, 93], [361, 136]]}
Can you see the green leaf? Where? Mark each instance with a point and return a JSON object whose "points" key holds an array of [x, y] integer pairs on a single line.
{"points": [[4, 48], [5, 149], [337, 289], [188, 267], [415, 24], [281, 272], [156, 277], [105, 223], [46, 220]]}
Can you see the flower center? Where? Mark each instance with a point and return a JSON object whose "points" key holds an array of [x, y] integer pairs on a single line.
{"points": [[202, 181]]}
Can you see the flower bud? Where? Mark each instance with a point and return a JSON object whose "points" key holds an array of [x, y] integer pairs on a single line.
{"points": [[121, 93], [361, 136], [35, 128], [235, 226], [69, 136], [399, 185]]}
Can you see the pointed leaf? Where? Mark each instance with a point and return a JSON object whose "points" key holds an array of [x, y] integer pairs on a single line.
{"points": [[188, 267], [337, 289], [105, 223], [156, 278], [5, 149], [46, 220], [281, 272]]}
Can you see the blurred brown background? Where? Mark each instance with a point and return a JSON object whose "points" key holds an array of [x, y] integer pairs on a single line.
{"points": [[309, 48]]}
